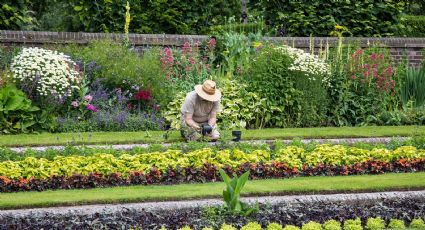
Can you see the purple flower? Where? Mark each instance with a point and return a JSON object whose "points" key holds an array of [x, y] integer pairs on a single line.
{"points": [[91, 107], [75, 104], [88, 98]]}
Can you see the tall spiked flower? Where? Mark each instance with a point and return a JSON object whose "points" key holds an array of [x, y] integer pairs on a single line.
{"points": [[127, 23]]}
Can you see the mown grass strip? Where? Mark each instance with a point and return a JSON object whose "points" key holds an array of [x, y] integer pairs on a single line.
{"points": [[300, 185], [49, 139]]}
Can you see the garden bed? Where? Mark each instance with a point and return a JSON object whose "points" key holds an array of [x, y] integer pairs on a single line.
{"points": [[176, 166], [283, 210]]}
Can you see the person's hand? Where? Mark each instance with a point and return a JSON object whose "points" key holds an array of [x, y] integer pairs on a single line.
{"points": [[197, 127]]}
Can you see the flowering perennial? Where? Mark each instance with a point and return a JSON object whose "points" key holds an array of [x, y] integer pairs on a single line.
{"points": [[50, 72], [306, 63]]}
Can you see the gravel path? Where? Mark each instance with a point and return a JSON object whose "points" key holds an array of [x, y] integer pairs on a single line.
{"points": [[176, 205], [131, 146]]}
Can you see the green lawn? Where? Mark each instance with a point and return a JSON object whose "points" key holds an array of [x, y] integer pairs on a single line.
{"points": [[157, 136], [301, 185]]}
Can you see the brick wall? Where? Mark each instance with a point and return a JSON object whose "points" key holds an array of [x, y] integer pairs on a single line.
{"points": [[399, 47]]}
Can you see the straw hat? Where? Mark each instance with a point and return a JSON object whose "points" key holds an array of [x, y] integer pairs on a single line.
{"points": [[208, 91]]}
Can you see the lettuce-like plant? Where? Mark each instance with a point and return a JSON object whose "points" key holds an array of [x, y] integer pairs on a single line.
{"points": [[251, 226], [396, 224], [417, 224], [274, 226], [291, 227], [332, 225], [375, 223], [311, 226]]}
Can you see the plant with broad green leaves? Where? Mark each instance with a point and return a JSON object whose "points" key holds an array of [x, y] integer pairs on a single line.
{"points": [[396, 224], [232, 193], [332, 225], [375, 223], [291, 227], [311, 226]]}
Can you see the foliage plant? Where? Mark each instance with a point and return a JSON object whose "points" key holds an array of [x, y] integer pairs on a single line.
{"points": [[311, 226], [413, 87], [375, 223], [305, 18], [252, 226], [332, 225], [396, 224], [291, 227], [19, 115], [45, 73], [232, 193], [353, 224], [274, 226], [417, 223]]}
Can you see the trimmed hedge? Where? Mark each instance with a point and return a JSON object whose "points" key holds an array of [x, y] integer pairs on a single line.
{"points": [[367, 18], [415, 26]]}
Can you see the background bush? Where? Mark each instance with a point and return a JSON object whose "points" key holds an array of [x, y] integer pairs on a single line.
{"points": [[368, 18]]}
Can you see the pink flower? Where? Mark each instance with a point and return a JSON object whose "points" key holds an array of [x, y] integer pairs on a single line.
{"points": [[75, 104], [91, 107], [186, 48], [143, 95], [88, 98]]}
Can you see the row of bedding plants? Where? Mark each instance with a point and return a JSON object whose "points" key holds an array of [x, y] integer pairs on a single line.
{"points": [[176, 166], [348, 213]]}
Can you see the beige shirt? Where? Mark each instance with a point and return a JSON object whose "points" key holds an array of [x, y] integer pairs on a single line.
{"points": [[201, 109]]}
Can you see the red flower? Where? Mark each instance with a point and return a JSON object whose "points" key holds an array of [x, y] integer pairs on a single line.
{"points": [[143, 95]]}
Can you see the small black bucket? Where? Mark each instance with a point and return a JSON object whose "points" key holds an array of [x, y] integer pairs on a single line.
{"points": [[237, 134]]}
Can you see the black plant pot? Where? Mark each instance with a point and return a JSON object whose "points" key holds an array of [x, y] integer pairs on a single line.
{"points": [[237, 134]]}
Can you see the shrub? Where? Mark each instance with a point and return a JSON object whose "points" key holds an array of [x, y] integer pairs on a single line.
{"points": [[45, 73], [396, 224], [305, 18], [274, 226], [417, 224], [311, 226], [375, 223], [15, 15], [251, 226], [413, 26], [332, 225]]}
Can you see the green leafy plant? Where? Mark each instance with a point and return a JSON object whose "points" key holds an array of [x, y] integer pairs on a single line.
{"points": [[274, 226], [355, 224], [375, 223], [252, 226], [417, 224], [17, 114], [396, 224], [311, 226], [291, 227], [227, 227], [15, 15], [332, 225], [232, 193], [413, 87]]}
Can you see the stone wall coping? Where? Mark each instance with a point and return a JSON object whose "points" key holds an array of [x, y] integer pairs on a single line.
{"points": [[37, 37]]}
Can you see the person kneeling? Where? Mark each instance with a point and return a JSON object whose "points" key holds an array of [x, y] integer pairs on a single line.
{"points": [[199, 112]]}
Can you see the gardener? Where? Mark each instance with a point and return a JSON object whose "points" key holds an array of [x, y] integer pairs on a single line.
{"points": [[199, 110]]}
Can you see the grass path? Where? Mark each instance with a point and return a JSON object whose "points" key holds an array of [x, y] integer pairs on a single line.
{"points": [[48, 139], [300, 185]]}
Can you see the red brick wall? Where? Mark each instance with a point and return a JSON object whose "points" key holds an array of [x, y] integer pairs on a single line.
{"points": [[412, 47]]}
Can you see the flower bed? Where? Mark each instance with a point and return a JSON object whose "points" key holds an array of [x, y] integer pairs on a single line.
{"points": [[296, 212], [174, 166]]}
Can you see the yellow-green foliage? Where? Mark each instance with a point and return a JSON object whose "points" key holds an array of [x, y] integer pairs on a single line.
{"points": [[207, 229], [251, 226], [185, 228], [355, 224], [417, 224], [227, 227], [396, 224], [274, 226], [332, 225], [375, 223], [311, 226], [296, 157], [291, 227]]}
